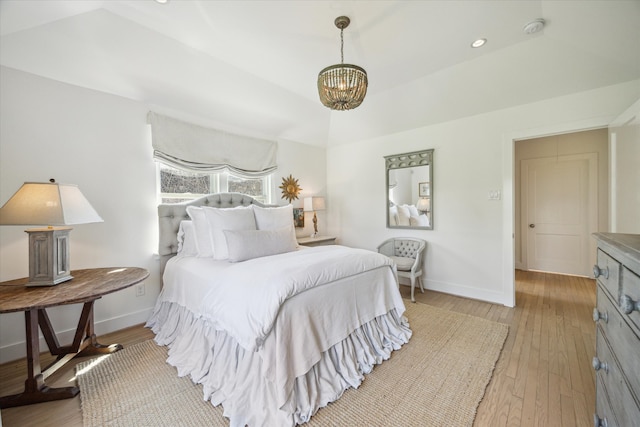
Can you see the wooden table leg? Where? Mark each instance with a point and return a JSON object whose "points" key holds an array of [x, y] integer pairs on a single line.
{"points": [[35, 389], [84, 343], [93, 347]]}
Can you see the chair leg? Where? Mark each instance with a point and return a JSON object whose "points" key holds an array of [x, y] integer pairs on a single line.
{"points": [[421, 287], [413, 287]]}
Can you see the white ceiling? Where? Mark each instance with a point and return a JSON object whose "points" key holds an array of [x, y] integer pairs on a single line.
{"points": [[251, 66]]}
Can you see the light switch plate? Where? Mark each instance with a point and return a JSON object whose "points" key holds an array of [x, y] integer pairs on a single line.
{"points": [[494, 195]]}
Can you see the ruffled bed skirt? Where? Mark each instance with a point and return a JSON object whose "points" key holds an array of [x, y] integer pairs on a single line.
{"points": [[235, 378]]}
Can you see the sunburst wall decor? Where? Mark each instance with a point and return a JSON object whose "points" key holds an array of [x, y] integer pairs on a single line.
{"points": [[290, 188]]}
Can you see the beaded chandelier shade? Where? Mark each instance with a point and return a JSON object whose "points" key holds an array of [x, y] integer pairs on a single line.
{"points": [[342, 86]]}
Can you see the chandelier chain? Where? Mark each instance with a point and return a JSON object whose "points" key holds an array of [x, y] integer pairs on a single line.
{"points": [[341, 46]]}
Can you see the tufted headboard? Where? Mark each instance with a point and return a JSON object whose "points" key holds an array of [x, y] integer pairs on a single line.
{"points": [[170, 215]]}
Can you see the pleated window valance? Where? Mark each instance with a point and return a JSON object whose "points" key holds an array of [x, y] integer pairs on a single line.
{"points": [[195, 148]]}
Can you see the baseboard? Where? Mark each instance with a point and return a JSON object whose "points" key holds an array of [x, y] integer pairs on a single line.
{"points": [[18, 350], [469, 292]]}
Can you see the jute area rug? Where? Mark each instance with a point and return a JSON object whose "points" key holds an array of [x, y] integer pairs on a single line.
{"points": [[437, 379]]}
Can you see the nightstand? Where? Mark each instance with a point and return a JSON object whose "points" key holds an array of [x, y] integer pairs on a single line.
{"points": [[317, 241]]}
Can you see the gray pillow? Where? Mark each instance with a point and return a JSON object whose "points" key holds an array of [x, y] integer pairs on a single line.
{"points": [[248, 244]]}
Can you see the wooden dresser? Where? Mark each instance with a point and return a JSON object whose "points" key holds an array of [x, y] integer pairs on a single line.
{"points": [[617, 317]]}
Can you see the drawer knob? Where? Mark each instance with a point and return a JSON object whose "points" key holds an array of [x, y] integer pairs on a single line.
{"points": [[600, 316], [628, 305], [599, 422], [597, 271], [597, 365]]}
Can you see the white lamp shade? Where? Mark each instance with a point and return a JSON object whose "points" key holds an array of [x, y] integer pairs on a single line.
{"points": [[44, 203], [314, 204], [423, 205]]}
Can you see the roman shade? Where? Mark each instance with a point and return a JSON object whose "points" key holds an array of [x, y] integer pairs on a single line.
{"points": [[199, 149]]}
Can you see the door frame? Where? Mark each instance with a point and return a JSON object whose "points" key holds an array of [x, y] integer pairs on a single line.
{"points": [[508, 190]]}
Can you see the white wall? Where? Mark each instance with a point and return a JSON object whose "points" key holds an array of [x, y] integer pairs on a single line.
{"points": [[470, 252], [101, 143], [624, 138], [403, 190], [308, 164]]}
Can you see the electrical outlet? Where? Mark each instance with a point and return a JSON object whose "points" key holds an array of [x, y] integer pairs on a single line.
{"points": [[140, 289]]}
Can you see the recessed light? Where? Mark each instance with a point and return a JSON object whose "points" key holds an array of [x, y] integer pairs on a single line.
{"points": [[162, 1], [478, 43]]}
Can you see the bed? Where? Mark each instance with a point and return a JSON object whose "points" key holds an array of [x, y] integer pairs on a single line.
{"points": [[271, 330]]}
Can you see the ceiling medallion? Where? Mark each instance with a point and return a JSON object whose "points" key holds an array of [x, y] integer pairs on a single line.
{"points": [[290, 188], [342, 86]]}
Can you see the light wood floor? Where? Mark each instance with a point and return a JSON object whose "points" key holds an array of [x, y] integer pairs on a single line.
{"points": [[543, 376]]}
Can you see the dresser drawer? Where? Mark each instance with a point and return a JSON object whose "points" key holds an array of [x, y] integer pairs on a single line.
{"points": [[604, 414], [621, 337], [630, 296], [615, 385], [607, 272]]}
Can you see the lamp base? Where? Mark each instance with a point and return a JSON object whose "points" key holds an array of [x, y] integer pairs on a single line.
{"points": [[315, 225], [49, 256], [47, 282]]}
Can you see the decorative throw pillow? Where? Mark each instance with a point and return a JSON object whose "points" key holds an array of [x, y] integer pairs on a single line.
{"points": [[202, 233], [419, 221], [220, 219], [275, 218], [393, 215], [403, 215], [248, 244], [187, 245]]}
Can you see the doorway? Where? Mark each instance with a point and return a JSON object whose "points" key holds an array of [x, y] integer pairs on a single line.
{"points": [[561, 198]]}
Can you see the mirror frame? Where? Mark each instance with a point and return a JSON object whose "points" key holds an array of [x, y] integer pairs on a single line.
{"points": [[409, 160]]}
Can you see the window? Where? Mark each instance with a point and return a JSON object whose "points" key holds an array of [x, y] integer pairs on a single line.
{"points": [[177, 185]]}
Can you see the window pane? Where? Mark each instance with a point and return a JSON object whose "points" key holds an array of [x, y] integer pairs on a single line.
{"points": [[178, 185], [177, 181], [252, 187]]}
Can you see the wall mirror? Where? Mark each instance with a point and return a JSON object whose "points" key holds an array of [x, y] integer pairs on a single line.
{"points": [[410, 190]]}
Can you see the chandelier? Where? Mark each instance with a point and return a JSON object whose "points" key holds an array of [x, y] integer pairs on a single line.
{"points": [[342, 86]]}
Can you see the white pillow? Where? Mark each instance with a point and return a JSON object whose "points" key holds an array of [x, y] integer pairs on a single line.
{"points": [[419, 221], [393, 215], [187, 244], [248, 244], [202, 233], [403, 215], [275, 218], [220, 219], [413, 211]]}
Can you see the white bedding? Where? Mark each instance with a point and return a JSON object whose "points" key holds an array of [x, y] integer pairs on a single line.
{"points": [[279, 336]]}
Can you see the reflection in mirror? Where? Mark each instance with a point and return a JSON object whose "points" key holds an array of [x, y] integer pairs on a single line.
{"points": [[409, 179]]}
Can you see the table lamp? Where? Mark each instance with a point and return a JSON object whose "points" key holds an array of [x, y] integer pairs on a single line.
{"points": [[423, 205], [48, 204], [313, 204]]}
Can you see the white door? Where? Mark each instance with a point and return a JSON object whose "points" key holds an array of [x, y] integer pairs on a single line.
{"points": [[560, 212]]}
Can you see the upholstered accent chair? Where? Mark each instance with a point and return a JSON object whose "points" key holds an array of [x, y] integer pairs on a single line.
{"points": [[407, 254]]}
